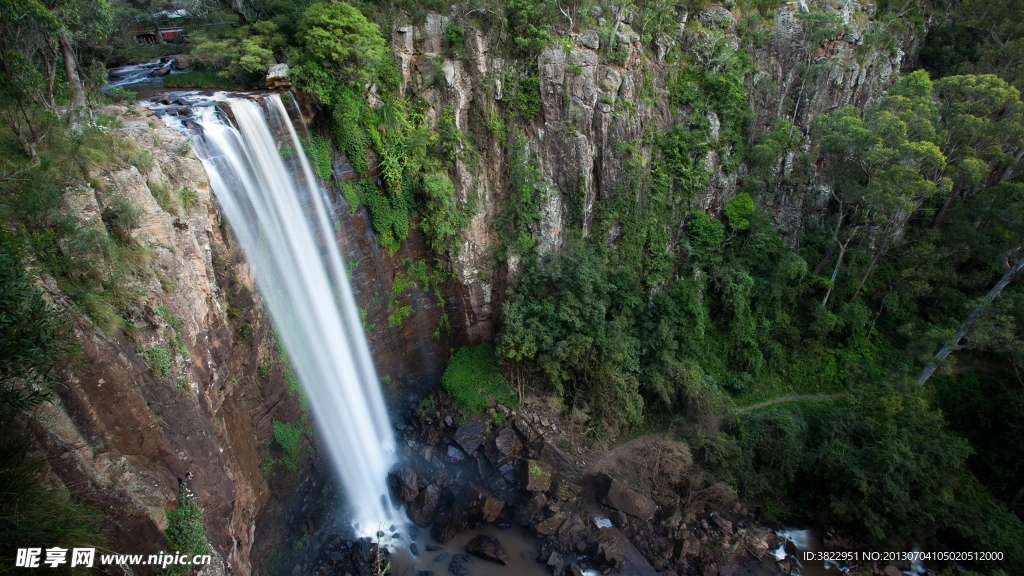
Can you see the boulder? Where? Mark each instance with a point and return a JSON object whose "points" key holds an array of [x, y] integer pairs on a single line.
{"points": [[183, 62], [505, 443], [590, 39], [536, 476], [723, 524], [277, 77], [690, 545], [551, 525], [472, 507], [404, 484], [606, 551], [424, 506], [556, 562], [455, 454], [528, 511], [616, 494], [471, 434], [487, 548]]}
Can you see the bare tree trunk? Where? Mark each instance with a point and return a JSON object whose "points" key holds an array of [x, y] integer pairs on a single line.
{"points": [[941, 355], [835, 271], [1008, 173], [71, 69], [866, 274], [942, 212]]}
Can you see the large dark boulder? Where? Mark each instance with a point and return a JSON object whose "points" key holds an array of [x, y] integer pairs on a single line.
{"points": [[607, 551], [404, 484], [424, 506], [616, 494], [471, 507], [487, 548], [536, 476], [471, 434]]}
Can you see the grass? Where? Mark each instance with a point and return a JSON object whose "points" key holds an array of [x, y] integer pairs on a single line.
{"points": [[186, 532], [475, 382]]}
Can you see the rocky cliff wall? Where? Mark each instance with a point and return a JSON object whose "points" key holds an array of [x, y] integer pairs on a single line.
{"points": [[590, 106], [132, 427]]}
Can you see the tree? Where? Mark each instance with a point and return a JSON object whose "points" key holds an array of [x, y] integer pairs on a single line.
{"points": [[880, 168], [338, 47], [982, 122]]}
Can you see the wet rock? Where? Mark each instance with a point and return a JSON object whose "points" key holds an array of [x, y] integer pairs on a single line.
{"points": [[414, 549], [455, 454], [455, 566], [487, 548], [472, 506], [606, 551], [556, 562], [551, 525], [723, 524], [432, 547], [573, 570], [619, 519], [690, 545], [424, 507], [440, 557], [560, 462], [891, 570], [403, 482], [277, 77], [785, 566], [471, 434], [618, 495], [536, 476], [528, 511]]}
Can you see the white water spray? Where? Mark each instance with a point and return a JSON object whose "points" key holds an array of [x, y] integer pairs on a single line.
{"points": [[281, 220]]}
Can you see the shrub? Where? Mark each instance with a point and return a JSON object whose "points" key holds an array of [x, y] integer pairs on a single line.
{"points": [[121, 218], [186, 532], [739, 210], [287, 436], [319, 152], [159, 359], [474, 380]]}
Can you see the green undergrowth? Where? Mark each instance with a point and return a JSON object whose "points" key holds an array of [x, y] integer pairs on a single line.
{"points": [[186, 532], [199, 80], [475, 382]]}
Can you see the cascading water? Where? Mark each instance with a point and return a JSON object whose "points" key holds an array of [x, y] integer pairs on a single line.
{"points": [[277, 211]]}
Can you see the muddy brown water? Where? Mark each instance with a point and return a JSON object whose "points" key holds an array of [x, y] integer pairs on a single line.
{"points": [[520, 547]]}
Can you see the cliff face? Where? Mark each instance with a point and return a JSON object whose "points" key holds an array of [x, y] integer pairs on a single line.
{"points": [[590, 106], [125, 433]]}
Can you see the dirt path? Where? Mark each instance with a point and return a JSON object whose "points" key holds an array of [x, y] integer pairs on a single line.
{"points": [[610, 458], [793, 398]]}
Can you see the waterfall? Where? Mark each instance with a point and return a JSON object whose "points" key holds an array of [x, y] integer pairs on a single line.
{"points": [[277, 211]]}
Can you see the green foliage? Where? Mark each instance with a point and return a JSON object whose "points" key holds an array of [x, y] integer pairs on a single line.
{"points": [[338, 47], [389, 216], [31, 511], [531, 23], [443, 217], [318, 150], [196, 80], [33, 336], [159, 359], [287, 437], [473, 379], [739, 210], [186, 532]]}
